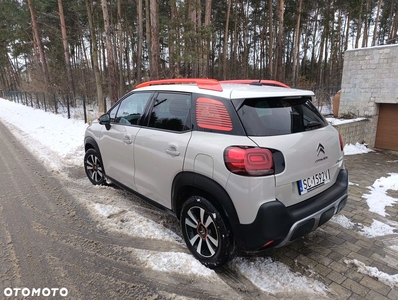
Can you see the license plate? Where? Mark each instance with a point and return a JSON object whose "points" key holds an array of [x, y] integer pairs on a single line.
{"points": [[311, 183]]}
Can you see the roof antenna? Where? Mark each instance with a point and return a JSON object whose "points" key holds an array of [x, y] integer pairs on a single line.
{"points": [[257, 83]]}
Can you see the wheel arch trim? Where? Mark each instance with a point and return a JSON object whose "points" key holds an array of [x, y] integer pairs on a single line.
{"points": [[93, 143], [208, 186]]}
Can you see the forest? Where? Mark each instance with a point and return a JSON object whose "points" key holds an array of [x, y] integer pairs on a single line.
{"points": [[104, 48]]}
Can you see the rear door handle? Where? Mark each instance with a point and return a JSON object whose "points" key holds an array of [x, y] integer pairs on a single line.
{"points": [[172, 150]]}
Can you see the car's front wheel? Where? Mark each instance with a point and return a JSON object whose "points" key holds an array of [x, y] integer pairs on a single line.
{"points": [[93, 167], [205, 232]]}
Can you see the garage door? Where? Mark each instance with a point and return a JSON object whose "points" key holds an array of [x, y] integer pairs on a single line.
{"points": [[387, 127]]}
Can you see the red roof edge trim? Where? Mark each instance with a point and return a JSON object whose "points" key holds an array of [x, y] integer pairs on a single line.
{"points": [[263, 82], [202, 83]]}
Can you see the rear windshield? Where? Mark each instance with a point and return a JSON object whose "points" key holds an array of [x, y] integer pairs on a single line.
{"points": [[277, 116]]}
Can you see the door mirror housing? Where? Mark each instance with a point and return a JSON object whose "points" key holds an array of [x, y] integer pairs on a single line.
{"points": [[105, 120]]}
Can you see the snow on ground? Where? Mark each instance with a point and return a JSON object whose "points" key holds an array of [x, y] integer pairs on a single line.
{"points": [[172, 262], [133, 224], [334, 121], [358, 148], [273, 276], [58, 142], [378, 199], [377, 229], [343, 221], [55, 140], [393, 247], [390, 280]]}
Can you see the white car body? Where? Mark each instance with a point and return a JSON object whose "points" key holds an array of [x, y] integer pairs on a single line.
{"points": [[306, 186]]}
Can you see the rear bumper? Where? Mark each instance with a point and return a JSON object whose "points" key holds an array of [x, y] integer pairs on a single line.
{"points": [[283, 224]]}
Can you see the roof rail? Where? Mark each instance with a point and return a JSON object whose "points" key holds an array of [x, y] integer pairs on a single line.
{"points": [[255, 81], [202, 83]]}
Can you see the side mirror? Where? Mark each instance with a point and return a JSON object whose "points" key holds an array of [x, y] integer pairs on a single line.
{"points": [[105, 120]]}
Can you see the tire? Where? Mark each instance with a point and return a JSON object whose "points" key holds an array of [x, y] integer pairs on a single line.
{"points": [[205, 232], [94, 167]]}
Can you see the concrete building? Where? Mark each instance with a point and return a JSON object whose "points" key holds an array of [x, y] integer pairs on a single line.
{"points": [[370, 90]]}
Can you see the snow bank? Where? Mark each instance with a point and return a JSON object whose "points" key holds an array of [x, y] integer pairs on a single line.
{"points": [[275, 277], [390, 280], [358, 148], [378, 199]]}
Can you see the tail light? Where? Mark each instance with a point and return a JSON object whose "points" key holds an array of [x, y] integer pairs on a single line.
{"points": [[341, 142], [249, 161]]}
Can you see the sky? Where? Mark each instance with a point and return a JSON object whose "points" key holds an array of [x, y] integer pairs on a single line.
{"points": [[58, 143]]}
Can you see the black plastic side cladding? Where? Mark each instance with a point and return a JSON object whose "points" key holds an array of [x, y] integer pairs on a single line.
{"points": [[186, 180], [89, 142]]}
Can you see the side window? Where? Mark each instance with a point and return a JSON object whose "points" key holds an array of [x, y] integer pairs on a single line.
{"points": [[171, 111], [131, 109]]}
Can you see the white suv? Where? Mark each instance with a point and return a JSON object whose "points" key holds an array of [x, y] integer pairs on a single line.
{"points": [[244, 164]]}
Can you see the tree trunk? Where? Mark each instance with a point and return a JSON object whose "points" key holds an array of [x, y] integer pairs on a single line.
{"points": [[199, 39], [140, 41], [376, 23], [171, 36], [320, 61], [66, 47], [305, 49], [365, 29], [312, 67], [394, 30], [155, 53], [193, 42], [207, 38], [122, 84], [296, 53], [234, 52], [94, 57], [113, 92], [347, 32], [224, 52], [390, 23], [326, 37], [148, 31], [246, 40], [394, 25], [359, 29], [42, 55], [279, 50], [270, 51]]}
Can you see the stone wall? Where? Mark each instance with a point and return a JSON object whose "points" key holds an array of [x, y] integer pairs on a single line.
{"points": [[370, 77], [354, 132]]}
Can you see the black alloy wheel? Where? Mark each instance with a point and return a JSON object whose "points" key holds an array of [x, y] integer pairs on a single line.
{"points": [[206, 234]]}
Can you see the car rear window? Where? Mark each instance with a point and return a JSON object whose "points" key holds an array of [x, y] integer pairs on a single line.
{"points": [[278, 116]]}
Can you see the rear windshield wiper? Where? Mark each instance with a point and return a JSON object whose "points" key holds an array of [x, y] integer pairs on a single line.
{"points": [[313, 125]]}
